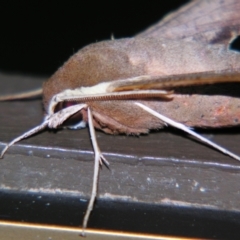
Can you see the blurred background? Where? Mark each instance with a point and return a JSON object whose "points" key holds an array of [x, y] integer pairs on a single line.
{"points": [[37, 37]]}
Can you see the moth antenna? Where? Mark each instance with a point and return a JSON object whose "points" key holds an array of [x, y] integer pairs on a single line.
{"points": [[188, 130], [23, 95], [24, 135], [98, 159], [74, 95]]}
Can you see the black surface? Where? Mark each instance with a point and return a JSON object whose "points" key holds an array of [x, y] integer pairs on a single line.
{"points": [[115, 215]]}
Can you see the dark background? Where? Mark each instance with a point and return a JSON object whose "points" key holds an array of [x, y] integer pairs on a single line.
{"points": [[36, 37]]}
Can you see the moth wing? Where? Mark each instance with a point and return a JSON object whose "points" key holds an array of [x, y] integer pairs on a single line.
{"points": [[201, 20]]}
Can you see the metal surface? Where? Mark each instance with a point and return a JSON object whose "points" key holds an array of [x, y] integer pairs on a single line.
{"points": [[161, 183]]}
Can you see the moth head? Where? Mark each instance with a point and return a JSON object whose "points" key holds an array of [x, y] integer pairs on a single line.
{"points": [[100, 62], [69, 98]]}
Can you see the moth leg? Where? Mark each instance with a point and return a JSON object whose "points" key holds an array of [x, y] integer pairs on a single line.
{"points": [[188, 130], [98, 159], [24, 135], [23, 95], [52, 121]]}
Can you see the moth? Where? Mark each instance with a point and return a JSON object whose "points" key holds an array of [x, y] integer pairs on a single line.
{"points": [[133, 85]]}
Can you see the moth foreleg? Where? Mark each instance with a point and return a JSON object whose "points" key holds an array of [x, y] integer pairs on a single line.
{"points": [[51, 121], [188, 130], [56, 119], [24, 135]]}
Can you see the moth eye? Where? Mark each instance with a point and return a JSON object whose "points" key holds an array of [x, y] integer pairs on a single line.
{"points": [[74, 120], [63, 105], [235, 44]]}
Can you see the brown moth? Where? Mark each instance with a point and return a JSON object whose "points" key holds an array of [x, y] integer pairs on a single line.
{"points": [[129, 85]]}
